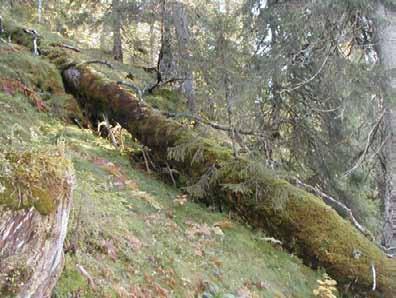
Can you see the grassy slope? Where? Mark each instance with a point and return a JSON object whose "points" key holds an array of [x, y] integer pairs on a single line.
{"points": [[131, 236], [124, 241]]}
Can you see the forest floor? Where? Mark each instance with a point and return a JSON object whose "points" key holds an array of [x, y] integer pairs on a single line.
{"points": [[130, 234]]}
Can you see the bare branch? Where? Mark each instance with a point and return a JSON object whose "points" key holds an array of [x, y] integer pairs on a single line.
{"points": [[108, 127], [212, 124], [85, 273], [271, 240], [135, 88], [66, 46], [374, 277], [103, 62], [299, 85], [171, 174], [370, 139], [161, 84]]}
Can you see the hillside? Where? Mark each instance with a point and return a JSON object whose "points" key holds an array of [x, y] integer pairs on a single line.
{"points": [[130, 234]]}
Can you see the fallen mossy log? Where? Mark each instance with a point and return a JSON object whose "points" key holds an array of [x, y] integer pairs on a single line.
{"points": [[302, 221]]}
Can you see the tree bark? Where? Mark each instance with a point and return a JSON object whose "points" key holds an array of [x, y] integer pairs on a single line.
{"points": [[304, 223], [39, 10], [387, 51], [117, 38], [180, 19], [32, 235], [166, 64]]}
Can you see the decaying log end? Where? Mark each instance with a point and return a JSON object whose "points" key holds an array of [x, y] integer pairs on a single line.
{"points": [[33, 223]]}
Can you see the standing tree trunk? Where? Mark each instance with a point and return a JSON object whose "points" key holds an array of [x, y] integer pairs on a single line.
{"points": [[152, 43], [39, 10], [180, 19], [387, 51], [166, 63], [117, 44]]}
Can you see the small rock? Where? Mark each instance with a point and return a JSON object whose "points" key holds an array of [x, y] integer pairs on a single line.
{"points": [[217, 231]]}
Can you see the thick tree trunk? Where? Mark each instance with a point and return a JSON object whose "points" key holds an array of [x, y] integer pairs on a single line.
{"points": [[117, 38], [32, 230], [166, 64], [180, 20], [315, 231], [387, 50], [39, 10]]}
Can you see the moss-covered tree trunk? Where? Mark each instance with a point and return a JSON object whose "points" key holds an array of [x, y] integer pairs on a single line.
{"points": [[35, 201], [304, 223]]}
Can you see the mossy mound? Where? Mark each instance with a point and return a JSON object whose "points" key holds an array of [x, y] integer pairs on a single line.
{"points": [[33, 72], [31, 179]]}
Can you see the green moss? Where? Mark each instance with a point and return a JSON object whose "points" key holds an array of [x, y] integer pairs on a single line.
{"points": [[167, 100], [66, 107], [32, 179], [17, 34], [44, 202], [306, 225], [34, 72]]}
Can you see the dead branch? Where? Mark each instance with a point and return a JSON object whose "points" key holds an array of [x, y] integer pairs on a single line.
{"points": [[137, 89], [66, 46], [146, 160], [171, 174], [103, 62], [299, 85], [374, 277], [160, 84], [370, 139], [149, 88], [89, 278], [35, 37], [271, 240], [108, 127], [212, 124]]}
